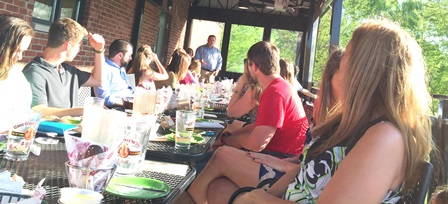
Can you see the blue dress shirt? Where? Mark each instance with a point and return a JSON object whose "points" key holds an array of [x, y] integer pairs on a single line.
{"points": [[115, 85], [211, 56]]}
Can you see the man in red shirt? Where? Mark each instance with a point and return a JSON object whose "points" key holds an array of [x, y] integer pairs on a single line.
{"points": [[281, 122]]}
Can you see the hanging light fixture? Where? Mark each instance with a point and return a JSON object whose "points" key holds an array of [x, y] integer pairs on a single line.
{"points": [[244, 4]]}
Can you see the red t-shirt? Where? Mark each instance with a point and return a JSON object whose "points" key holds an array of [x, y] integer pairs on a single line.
{"points": [[280, 107]]}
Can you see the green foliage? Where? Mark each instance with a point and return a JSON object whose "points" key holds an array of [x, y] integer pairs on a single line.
{"points": [[288, 42], [241, 38], [425, 20]]}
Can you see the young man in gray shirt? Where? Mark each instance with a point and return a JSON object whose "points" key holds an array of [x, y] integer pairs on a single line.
{"points": [[55, 83]]}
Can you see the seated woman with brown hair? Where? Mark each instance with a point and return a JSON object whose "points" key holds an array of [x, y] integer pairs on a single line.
{"points": [[144, 74], [177, 69], [245, 97], [289, 72]]}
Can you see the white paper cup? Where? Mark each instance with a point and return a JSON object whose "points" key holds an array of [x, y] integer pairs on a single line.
{"points": [[79, 196]]}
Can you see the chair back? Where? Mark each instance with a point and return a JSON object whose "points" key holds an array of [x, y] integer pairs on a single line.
{"points": [[417, 195], [83, 93], [309, 108], [131, 80]]}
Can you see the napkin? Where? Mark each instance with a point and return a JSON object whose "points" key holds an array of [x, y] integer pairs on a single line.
{"points": [[208, 125], [15, 184], [10, 184], [210, 115], [163, 167], [91, 155]]}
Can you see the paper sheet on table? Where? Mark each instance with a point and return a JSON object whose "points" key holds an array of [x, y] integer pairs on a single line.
{"points": [[162, 167], [154, 136], [207, 125]]}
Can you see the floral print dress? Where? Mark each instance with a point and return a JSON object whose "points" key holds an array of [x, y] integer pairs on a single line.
{"points": [[316, 172]]}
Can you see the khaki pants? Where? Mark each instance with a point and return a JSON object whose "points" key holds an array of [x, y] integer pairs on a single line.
{"points": [[206, 76]]}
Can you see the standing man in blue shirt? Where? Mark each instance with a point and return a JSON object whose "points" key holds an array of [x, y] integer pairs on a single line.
{"points": [[211, 60], [115, 85]]}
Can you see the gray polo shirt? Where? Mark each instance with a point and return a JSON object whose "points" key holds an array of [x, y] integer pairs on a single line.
{"points": [[51, 88]]}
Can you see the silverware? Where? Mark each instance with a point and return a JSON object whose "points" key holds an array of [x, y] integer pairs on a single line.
{"points": [[140, 188]]}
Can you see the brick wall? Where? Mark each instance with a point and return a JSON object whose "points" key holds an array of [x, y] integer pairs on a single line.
{"points": [[113, 20], [177, 21]]}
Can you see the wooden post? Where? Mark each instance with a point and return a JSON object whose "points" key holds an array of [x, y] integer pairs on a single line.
{"points": [[439, 157]]}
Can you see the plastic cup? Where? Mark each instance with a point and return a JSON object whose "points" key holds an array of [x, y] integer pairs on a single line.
{"points": [[133, 146], [79, 196], [144, 101], [185, 121], [21, 135], [95, 179]]}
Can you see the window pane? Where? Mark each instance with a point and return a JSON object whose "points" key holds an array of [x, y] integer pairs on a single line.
{"points": [[67, 8], [199, 36], [288, 42], [241, 39], [322, 46], [42, 9]]}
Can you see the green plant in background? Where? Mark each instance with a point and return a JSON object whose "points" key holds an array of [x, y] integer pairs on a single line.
{"points": [[241, 38], [425, 20]]}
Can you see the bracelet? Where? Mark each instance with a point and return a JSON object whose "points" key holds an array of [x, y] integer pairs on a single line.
{"points": [[99, 52]]}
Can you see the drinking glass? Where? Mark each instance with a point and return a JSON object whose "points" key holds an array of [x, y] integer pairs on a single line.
{"points": [[144, 101], [185, 121], [21, 135]]}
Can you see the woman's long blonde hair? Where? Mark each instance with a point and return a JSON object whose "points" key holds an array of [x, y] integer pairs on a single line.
{"points": [[253, 84], [326, 100], [195, 67], [385, 74], [139, 64], [179, 64], [12, 31], [287, 70]]}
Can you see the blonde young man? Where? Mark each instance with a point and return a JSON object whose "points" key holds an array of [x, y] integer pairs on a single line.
{"points": [[55, 83]]}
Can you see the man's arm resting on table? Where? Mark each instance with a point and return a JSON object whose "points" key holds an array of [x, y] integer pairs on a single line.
{"points": [[251, 137], [60, 112]]}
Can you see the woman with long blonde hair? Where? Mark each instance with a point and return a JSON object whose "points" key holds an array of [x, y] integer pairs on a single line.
{"points": [[329, 86], [144, 74], [178, 68], [368, 148], [15, 38]]}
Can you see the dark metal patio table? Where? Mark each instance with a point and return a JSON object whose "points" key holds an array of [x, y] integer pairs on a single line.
{"points": [[50, 165], [165, 151]]}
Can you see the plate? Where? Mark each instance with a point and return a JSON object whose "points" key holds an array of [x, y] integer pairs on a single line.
{"points": [[196, 131], [208, 120], [194, 140], [2, 146], [119, 187]]}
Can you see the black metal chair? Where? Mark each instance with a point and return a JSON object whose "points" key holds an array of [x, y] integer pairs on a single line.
{"points": [[418, 194]]}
